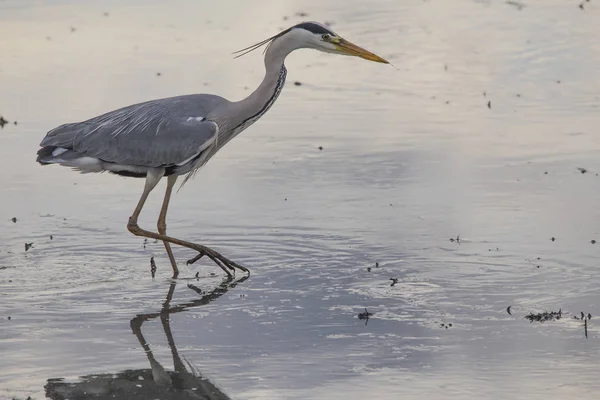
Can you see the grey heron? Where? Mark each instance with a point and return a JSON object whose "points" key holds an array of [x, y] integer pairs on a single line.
{"points": [[176, 136]]}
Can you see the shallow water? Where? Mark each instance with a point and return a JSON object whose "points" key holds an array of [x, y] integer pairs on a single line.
{"points": [[410, 159]]}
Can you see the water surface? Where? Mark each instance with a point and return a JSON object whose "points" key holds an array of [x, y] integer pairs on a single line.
{"points": [[410, 159]]}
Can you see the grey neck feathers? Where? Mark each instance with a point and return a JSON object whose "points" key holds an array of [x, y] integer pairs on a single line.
{"points": [[250, 109]]}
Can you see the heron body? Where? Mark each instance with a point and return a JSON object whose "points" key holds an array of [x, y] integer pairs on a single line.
{"points": [[176, 136]]}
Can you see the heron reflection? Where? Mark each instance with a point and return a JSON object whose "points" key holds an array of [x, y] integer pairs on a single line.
{"points": [[182, 383]]}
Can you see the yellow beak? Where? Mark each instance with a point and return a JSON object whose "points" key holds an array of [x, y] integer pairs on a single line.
{"points": [[353, 50]]}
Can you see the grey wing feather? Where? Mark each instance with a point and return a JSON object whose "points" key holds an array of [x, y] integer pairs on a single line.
{"points": [[152, 134]]}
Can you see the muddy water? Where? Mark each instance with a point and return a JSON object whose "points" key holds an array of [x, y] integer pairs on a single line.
{"points": [[410, 159]]}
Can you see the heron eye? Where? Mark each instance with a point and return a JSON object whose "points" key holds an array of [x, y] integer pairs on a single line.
{"points": [[325, 36]]}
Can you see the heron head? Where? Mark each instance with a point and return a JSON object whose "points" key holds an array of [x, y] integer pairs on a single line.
{"points": [[313, 35], [319, 37]]}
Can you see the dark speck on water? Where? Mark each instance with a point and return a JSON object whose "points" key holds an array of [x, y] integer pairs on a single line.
{"points": [[152, 267], [28, 246], [365, 315], [593, 241], [489, 104], [298, 83], [582, 170], [508, 310], [320, 147], [3, 122], [158, 74], [394, 281], [14, 219], [368, 269], [301, 14], [553, 238]]}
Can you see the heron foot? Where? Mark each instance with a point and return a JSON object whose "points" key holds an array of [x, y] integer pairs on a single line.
{"points": [[222, 261]]}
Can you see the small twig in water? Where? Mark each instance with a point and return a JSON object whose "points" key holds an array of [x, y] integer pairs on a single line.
{"points": [[152, 267]]}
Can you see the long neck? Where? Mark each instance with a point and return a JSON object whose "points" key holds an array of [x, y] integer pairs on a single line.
{"points": [[243, 113], [254, 106]]}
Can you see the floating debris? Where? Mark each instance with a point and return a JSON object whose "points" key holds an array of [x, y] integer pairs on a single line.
{"points": [[394, 281], [519, 6], [51, 237], [158, 74], [508, 310], [298, 83], [365, 315], [197, 275], [368, 269], [28, 246], [3, 122], [553, 238], [320, 147], [545, 316], [457, 240], [489, 104], [376, 264], [582, 170], [152, 267], [14, 219]]}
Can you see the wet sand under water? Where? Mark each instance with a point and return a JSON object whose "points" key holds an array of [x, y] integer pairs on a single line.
{"points": [[409, 159]]}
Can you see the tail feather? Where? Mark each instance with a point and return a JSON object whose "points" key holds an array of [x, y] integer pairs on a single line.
{"points": [[69, 158], [44, 155]]}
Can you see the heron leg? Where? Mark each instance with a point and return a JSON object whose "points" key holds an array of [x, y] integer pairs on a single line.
{"points": [[162, 222], [152, 178]]}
